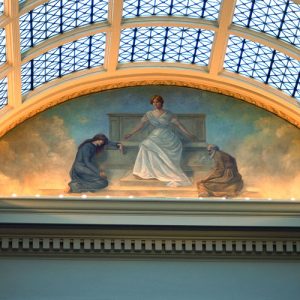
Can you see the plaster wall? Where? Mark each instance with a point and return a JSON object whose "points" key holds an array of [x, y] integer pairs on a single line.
{"points": [[90, 279]]}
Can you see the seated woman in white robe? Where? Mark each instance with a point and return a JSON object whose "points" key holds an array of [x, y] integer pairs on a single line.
{"points": [[159, 155]]}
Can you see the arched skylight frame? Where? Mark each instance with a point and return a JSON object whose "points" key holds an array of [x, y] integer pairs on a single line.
{"points": [[85, 53], [212, 69], [167, 39]]}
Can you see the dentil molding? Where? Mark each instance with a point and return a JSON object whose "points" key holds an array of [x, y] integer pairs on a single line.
{"points": [[158, 227]]}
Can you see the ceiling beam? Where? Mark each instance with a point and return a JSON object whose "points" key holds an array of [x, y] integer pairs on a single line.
{"points": [[13, 55], [64, 38], [221, 38], [30, 5], [4, 70], [113, 36], [266, 40], [170, 21], [4, 21]]}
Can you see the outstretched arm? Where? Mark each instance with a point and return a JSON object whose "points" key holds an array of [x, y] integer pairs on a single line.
{"points": [[116, 145], [179, 125], [141, 125]]}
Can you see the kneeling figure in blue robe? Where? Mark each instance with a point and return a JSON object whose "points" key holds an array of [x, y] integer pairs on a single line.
{"points": [[85, 173]]}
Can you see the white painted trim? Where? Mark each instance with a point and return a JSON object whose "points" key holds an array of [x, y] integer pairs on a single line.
{"points": [[188, 228], [93, 210]]}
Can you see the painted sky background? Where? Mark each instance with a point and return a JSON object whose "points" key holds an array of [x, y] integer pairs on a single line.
{"points": [[40, 151], [223, 114]]}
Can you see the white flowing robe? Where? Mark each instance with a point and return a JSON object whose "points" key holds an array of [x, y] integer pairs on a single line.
{"points": [[160, 153]]}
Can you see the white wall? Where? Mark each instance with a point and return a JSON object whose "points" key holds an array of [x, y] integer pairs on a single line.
{"points": [[110, 279]]}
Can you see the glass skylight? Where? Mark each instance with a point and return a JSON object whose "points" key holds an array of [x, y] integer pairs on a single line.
{"points": [[84, 53], [2, 46], [208, 9], [280, 18], [166, 44], [142, 41], [3, 92], [58, 16], [264, 64]]}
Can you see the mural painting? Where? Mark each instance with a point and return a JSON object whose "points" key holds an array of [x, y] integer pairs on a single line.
{"points": [[152, 141], [159, 155]]}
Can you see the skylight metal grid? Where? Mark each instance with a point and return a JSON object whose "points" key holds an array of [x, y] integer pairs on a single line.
{"points": [[208, 9], [280, 18], [166, 44], [87, 52], [3, 92], [264, 64], [2, 46], [58, 16], [1, 7]]}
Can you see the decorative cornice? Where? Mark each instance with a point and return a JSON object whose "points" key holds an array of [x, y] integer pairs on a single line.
{"points": [[93, 210], [187, 228], [167, 247]]}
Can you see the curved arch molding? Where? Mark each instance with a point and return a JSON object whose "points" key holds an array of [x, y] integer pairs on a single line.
{"points": [[91, 81]]}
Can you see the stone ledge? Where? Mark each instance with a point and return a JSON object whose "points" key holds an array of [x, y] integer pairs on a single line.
{"points": [[154, 212]]}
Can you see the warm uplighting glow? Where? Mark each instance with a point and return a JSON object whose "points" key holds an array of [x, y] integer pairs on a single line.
{"points": [[37, 196], [84, 196], [60, 196], [14, 195], [247, 198], [107, 196]]}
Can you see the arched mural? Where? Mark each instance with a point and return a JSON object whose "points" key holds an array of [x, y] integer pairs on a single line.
{"points": [[153, 151]]}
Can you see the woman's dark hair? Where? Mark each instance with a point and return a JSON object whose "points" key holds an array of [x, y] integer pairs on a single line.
{"points": [[158, 98], [97, 137]]}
